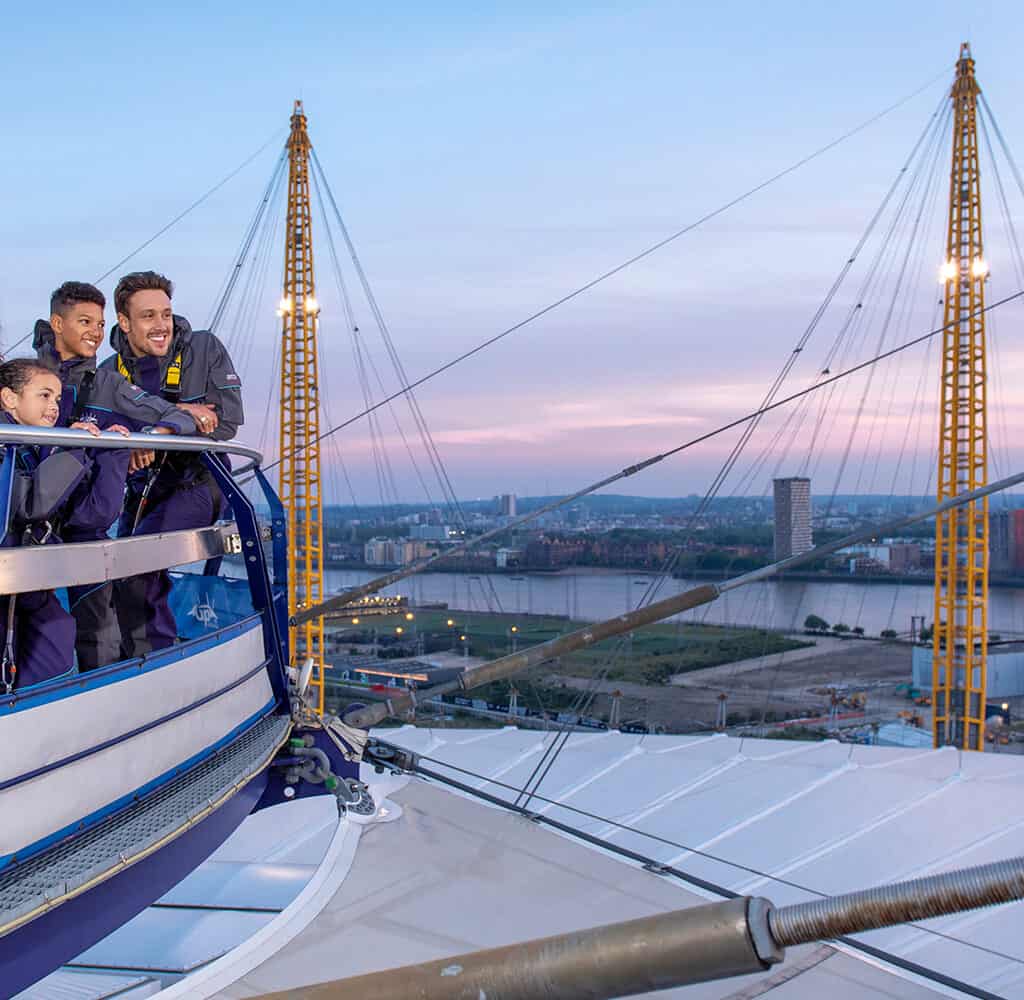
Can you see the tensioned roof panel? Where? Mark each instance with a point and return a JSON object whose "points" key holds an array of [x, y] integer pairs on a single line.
{"points": [[451, 874], [821, 817], [941, 826], [828, 817], [639, 780]]}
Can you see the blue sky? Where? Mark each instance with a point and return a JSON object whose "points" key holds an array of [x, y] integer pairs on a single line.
{"points": [[487, 160]]}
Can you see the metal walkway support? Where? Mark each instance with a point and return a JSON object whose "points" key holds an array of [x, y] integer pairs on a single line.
{"points": [[72, 866]]}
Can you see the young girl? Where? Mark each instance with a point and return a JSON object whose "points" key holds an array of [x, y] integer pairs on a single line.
{"points": [[52, 486]]}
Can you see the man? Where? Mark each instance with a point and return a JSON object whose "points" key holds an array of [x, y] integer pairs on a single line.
{"points": [[69, 341], [161, 354]]}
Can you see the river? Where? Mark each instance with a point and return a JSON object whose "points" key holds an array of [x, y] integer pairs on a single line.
{"points": [[595, 594]]}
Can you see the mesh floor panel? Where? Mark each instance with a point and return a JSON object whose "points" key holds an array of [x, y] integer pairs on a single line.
{"points": [[71, 863]]}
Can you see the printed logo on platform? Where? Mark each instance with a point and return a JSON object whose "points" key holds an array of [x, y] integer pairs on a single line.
{"points": [[204, 613]]}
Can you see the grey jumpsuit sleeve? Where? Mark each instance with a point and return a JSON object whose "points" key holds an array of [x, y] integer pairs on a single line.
{"points": [[224, 391], [138, 405]]}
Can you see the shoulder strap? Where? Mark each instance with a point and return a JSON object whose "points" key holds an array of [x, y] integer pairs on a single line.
{"points": [[172, 380], [83, 393], [171, 389]]}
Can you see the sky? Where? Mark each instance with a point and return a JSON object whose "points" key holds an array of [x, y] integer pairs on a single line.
{"points": [[488, 159]]}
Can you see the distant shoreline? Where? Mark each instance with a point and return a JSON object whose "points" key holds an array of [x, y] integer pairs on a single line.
{"points": [[912, 579]]}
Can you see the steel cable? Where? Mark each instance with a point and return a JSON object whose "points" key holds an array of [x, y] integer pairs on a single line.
{"points": [[643, 254]]}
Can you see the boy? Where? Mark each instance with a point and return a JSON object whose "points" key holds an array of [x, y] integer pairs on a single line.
{"points": [[69, 342]]}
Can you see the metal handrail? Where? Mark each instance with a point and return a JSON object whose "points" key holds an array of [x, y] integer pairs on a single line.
{"points": [[44, 567], [75, 564], [62, 437]]}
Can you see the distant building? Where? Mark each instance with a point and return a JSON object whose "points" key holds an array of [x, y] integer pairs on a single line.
{"points": [[1017, 521], [339, 551], [392, 551], [375, 552], [1004, 669], [505, 505], [792, 517], [369, 671], [893, 556], [432, 532], [506, 558], [904, 557], [1000, 541], [545, 552], [1006, 541]]}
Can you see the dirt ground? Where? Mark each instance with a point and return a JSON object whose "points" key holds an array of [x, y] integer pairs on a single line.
{"points": [[786, 684]]}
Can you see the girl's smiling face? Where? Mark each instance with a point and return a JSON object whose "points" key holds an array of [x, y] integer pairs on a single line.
{"points": [[37, 404]]}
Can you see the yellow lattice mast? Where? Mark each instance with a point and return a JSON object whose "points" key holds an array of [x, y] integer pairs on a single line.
{"points": [[300, 412], [961, 536]]}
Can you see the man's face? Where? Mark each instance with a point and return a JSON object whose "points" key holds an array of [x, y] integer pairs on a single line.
{"points": [[149, 323], [78, 332]]}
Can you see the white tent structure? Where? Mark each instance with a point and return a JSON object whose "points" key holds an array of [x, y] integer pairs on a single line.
{"points": [[295, 897]]}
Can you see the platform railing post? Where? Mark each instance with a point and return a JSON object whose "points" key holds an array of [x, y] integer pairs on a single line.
{"points": [[263, 593]]}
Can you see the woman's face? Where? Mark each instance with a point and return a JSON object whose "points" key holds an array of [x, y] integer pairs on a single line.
{"points": [[38, 402]]}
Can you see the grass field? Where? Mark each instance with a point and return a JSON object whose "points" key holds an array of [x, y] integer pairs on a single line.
{"points": [[649, 656]]}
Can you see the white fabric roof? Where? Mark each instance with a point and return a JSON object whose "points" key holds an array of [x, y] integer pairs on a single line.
{"points": [[827, 816], [440, 873]]}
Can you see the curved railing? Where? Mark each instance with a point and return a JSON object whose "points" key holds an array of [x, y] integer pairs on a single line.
{"points": [[62, 437], [46, 567]]}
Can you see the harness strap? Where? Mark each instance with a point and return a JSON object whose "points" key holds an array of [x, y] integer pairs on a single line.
{"points": [[171, 388], [8, 668], [151, 477], [82, 396]]}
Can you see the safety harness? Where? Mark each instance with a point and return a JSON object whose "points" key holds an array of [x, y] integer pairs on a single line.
{"points": [[171, 389], [8, 664], [82, 394]]}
